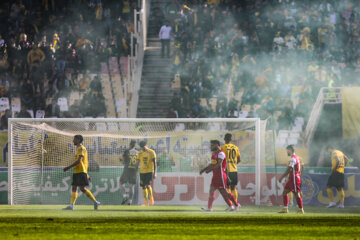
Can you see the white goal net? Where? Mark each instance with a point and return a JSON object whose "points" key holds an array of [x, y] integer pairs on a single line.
{"points": [[39, 149]]}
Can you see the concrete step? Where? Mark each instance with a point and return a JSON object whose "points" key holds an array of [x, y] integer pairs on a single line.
{"points": [[149, 106], [153, 111], [154, 82], [154, 45], [152, 92], [156, 64], [155, 86], [152, 69], [154, 27], [156, 107], [161, 77], [154, 75], [152, 116], [161, 86], [163, 61], [150, 100], [160, 98], [153, 108], [154, 53], [145, 102], [157, 83], [155, 90]]}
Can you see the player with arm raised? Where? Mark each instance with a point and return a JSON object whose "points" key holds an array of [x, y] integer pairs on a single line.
{"points": [[218, 182], [232, 154], [336, 179], [80, 176], [147, 159], [294, 181], [129, 174]]}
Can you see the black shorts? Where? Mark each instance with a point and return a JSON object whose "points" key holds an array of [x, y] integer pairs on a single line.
{"points": [[232, 179], [128, 176], [145, 179], [336, 179], [80, 179]]}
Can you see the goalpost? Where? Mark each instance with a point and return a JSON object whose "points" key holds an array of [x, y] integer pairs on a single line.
{"points": [[39, 149]]}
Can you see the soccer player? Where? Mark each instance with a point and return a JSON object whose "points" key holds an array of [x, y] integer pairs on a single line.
{"points": [[80, 176], [147, 159], [336, 179], [129, 174], [232, 154], [294, 181], [291, 196], [218, 182]]}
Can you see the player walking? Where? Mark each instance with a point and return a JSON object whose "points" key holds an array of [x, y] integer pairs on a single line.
{"points": [[291, 196], [218, 182], [232, 154], [129, 174], [294, 181], [80, 176], [336, 179], [147, 159]]}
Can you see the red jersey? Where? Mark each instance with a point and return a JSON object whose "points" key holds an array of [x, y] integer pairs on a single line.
{"points": [[219, 175], [294, 175]]}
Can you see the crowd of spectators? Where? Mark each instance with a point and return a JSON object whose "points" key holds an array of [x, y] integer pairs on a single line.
{"points": [[271, 55], [49, 48]]}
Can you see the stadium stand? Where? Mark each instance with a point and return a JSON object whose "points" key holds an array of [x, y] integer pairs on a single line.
{"points": [[228, 58], [253, 58], [55, 50]]}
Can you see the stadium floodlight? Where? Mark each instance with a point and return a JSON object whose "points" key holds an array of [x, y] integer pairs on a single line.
{"points": [[40, 148]]}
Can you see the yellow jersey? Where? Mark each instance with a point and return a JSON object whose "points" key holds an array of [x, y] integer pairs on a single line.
{"points": [[341, 163], [147, 159], [82, 167], [232, 153]]}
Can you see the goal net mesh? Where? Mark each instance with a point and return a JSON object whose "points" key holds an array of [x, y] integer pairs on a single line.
{"points": [[41, 148]]}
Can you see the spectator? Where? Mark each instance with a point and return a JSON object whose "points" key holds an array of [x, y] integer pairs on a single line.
{"points": [[23, 112], [27, 93], [165, 37], [53, 109], [171, 113], [4, 120], [278, 43], [35, 56]]}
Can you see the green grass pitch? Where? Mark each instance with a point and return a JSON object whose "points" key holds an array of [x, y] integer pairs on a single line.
{"points": [[176, 222]]}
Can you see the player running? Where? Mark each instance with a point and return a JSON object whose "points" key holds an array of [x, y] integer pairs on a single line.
{"points": [[129, 174], [232, 154], [80, 176], [218, 182], [336, 179], [147, 159], [294, 181]]}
